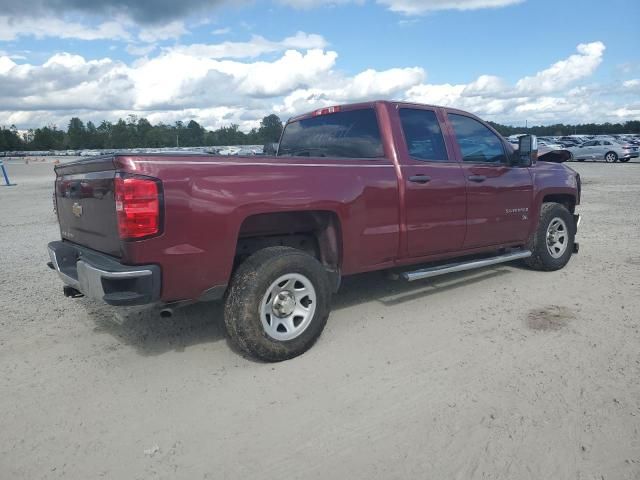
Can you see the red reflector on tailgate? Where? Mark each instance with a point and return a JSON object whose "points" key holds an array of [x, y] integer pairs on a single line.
{"points": [[138, 207]]}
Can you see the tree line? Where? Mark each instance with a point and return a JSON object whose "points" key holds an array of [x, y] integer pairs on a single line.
{"points": [[561, 129], [136, 132]]}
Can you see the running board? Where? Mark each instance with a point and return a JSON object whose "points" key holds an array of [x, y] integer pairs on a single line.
{"points": [[463, 266]]}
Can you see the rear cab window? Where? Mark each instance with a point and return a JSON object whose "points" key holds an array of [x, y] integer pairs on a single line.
{"points": [[423, 135], [345, 134]]}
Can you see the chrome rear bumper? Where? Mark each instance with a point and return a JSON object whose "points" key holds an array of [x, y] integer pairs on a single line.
{"points": [[103, 278]]}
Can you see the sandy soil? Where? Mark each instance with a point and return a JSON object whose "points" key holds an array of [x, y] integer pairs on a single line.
{"points": [[502, 373]]}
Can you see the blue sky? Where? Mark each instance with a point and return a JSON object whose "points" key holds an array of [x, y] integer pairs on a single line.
{"points": [[224, 62]]}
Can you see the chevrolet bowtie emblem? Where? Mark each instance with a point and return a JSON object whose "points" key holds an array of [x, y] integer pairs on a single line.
{"points": [[77, 209]]}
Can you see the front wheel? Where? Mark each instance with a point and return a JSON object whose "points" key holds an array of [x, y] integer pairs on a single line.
{"points": [[611, 157], [278, 304], [553, 242]]}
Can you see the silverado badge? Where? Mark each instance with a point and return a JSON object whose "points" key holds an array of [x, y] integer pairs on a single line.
{"points": [[77, 209]]}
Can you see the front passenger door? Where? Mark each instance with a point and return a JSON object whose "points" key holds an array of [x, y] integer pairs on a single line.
{"points": [[499, 195]]}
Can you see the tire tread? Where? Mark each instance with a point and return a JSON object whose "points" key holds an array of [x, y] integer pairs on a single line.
{"points": [[244, 295], [539, 259]]}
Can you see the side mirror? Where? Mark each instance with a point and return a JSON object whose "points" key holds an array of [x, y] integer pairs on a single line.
{"points": [[528, 150]]}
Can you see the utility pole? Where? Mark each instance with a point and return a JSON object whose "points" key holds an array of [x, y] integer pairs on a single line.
{"points": [[177, 140]]}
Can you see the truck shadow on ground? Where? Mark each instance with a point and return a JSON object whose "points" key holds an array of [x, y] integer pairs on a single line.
{"points": [[150, 334]]}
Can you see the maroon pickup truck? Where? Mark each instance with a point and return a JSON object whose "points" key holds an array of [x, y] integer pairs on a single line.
{"points": [[353, 188]]}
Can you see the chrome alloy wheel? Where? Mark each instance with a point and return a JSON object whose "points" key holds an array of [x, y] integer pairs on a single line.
{"points": [[557, 237], [288, 306]]}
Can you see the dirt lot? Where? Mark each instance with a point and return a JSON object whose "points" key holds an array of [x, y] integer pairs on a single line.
{"points": [[500, 373]]}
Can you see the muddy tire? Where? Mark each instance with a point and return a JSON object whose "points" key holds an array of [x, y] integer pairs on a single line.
{"points": [[552, 243], [278, 304]]}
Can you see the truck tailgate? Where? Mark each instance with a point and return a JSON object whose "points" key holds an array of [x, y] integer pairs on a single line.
{"points": [[86, 204]]}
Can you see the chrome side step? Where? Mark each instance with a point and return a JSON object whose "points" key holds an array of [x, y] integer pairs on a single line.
{"points": [[463, 266]]}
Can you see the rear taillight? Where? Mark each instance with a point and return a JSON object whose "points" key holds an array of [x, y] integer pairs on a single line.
{"points": [[138, 207]]}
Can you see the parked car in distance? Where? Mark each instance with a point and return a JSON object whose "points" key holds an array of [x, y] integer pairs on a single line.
{"points": [[570, 141], [550, 144], [354, 188], [608, 150]]}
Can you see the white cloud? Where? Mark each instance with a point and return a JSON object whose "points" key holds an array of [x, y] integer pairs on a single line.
{"points": [[335, 89], [546, 96], [629, 85], [138, 50], [222, 83], [43, 27], [171, 30], [565, 72], [255, 47], [417, 7], [408, 7], [306, 4], [6, 64], [442, 94], [175, 78], [150, 22]]}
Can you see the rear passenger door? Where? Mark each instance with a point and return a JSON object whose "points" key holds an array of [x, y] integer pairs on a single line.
{"points": [[605, 147], [434, 185], [499, 195]]}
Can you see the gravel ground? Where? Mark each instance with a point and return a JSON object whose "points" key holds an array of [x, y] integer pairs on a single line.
{"points": [[502, 373]]}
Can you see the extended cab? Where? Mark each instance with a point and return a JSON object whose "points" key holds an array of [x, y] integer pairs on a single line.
{"points": [[354, 188]]}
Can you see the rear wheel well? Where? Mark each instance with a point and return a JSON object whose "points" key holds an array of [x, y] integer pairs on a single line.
{"points": [[569, 201], [315, 232]]}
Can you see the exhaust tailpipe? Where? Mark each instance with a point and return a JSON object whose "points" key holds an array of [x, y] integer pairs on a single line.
{"points": [[72, 292]]}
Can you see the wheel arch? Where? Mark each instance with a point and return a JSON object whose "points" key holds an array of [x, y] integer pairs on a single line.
{"points": [[566, 199], [317, 232], [563, 196]]}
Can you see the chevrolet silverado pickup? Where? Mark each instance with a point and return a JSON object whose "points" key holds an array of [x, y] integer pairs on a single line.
{"points": [[414, 189]]}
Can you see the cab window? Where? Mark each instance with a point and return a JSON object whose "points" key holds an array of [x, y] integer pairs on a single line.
{"points": [[423, 135], [348, 134], [477, 143]]}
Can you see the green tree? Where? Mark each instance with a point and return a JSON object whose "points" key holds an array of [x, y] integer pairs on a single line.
{"points": [[121, 135], [270, 129], [77, 134], [10, 139], [47, 138], [193, 135]]}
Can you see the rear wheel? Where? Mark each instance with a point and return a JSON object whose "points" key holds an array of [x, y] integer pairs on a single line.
{"points": [[278, 304], [552, 243], [611, 157]]}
